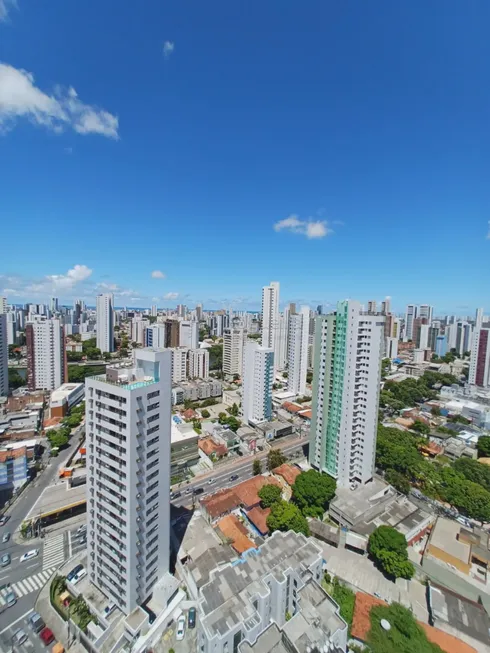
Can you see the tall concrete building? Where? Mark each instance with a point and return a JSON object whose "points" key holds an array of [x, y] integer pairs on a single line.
{"points": [[371, 306], [257, 380], [181, 310], [479, 318], [12, 328], [233, 347], [199, 313], [179, 364], [4, 357], [410, 316], [3, 305], [138, 329], [46, 353], [346, 381], [198, 364], [425, 310], [441, 346], [105, 322], [128, 414], [270, 317], [480, 359], [154, 310], [172, 333], [464, 333], [189, 334], [299, 328], [386, 306], [155, 336]]}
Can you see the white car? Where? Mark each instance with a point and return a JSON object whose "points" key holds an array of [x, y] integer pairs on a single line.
{"points": [[180, 628], [81, 574], [33, 553]]}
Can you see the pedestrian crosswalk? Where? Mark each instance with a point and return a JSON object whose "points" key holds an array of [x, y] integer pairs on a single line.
{"points": [[54, 551], [27, 585]]}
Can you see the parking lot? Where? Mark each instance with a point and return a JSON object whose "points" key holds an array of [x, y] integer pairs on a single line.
{"points": [[33, 643], [169, 639]]}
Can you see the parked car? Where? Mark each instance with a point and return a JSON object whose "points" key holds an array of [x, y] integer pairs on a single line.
{"points": [[234, 477], [176, 495], [46, 635], [5, 560], [19, 637], [81, 530], [11, 599], [191, 618], [180, 628], [199, 490], [82, 540], [36, 622], [74, 572], [81, 574], [33, 553], [6, 537], [4, 519]]}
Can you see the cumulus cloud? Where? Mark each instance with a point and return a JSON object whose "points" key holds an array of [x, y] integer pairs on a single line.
{"points": [[168, 48], [21, 98], [171, 295], [309, 228], [5, 6], [157, 274]]}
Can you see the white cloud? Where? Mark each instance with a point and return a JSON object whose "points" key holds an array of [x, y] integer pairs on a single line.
{"points": [[171, 295], [168, 48], [5, 6], [309, 228], [157, 274], [20, 98]]}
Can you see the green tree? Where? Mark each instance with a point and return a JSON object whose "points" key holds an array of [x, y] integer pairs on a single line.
{"points": [[216, 357], [187, 404], [313, 491], [233, 410], [474, 471], [77, 373], [346, 600], [404, 636], [269, 494], [15, 379], [275, 458], [484, 446], [205, 413], [388, 548], [257, 467], [398, 481], [287, 516], [420, 427], [74, 355], [106, 356], [123, 352], [435, 411], [385, 367], [395, 565]]}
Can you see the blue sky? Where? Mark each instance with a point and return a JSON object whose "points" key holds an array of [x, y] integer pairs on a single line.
{"points": [[342, 148]]}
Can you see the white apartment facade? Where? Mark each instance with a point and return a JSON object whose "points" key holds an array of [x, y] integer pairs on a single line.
{"points": [[198, 364], [3, 305], [189, 334], [4, 362], [299, 328], [179, 364], [105, 322], [12, 328], [155, 335], [138, 330], [257, 380], [270, 316], [128, 413], [346, 382], [234, 341], [410, 316], [46, 353]]}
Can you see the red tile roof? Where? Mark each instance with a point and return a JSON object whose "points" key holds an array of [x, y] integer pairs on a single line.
{"points": [[209, 446], [288, 472], [247, 491], [361, 625], [306, 414], [291, 408], [189, 413], [232, 528], [258, 517], [244, 494], [12, 453], [220, 503]]}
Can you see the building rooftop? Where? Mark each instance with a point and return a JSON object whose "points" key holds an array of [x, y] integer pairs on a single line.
{"points": [[464, 615], [355, 503], [288, 472], [64, 391], [227, 597], [444, 536], [244, 494], [258, 518], [182, 432], [56, 498], [234, 530]]}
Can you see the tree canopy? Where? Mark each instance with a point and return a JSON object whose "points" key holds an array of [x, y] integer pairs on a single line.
{"points": [[275, 458], [410, 392], [15, 379], [257, 467], [404, 636], [313, 491], [420, 427], [215, 357], [77, 373], [269, 494], [484, 446], [398, 481], [388, 547], [474, 471], [286, 516]]}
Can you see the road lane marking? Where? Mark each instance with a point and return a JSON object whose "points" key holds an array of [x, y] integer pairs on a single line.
{"points": [[16, 621]]}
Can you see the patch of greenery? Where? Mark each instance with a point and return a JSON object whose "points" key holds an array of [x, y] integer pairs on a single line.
{"points": [[313, 491], [404, 636]]}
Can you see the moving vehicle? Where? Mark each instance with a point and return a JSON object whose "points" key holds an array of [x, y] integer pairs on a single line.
{"points": [[4, 519], [74, 572], [33, 553], [180, 628], [19, 637], [5, 560], [81, 574], [211, 481], [36, 622], [191, 618], [6, 537], [176, 495], [46, 635], [234, 477], [199, 490], [11, 599]]}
